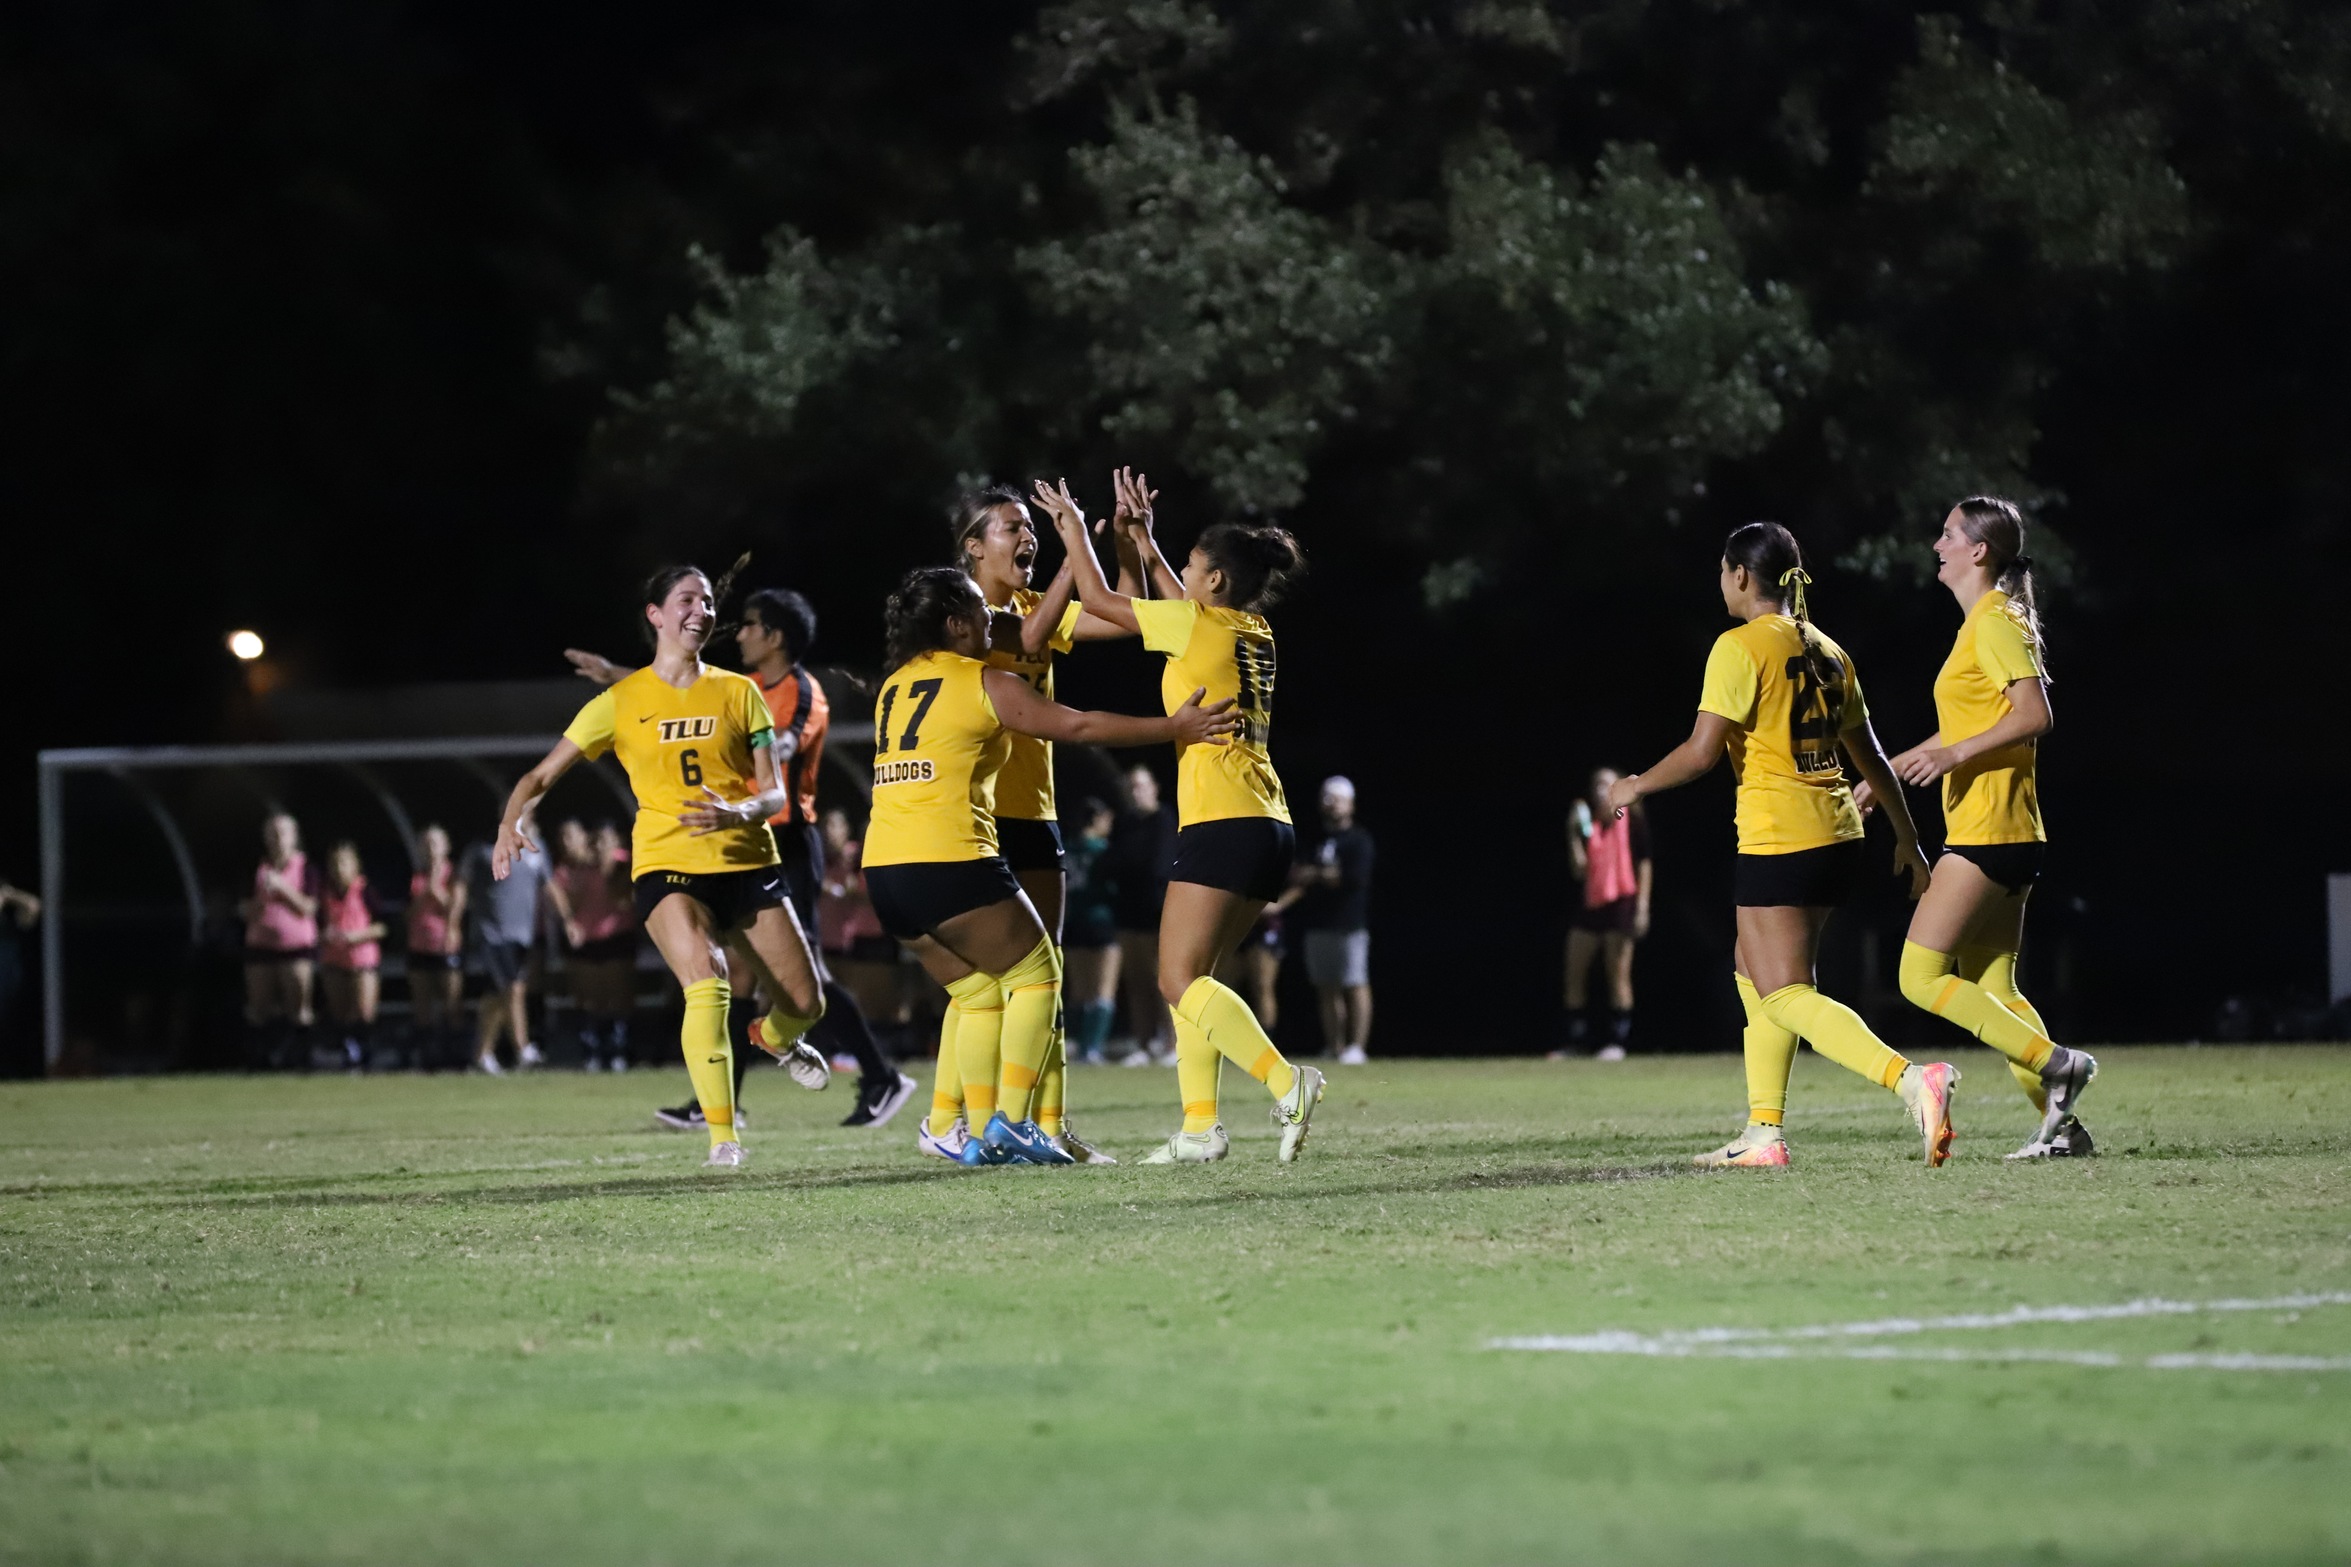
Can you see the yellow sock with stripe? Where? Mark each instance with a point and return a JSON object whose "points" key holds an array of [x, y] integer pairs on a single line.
{"points": [[1053, 1080], [1770, 1052], [710, 1059], [1198, 1068], [947, 1077], [1226, 1022], [1032, 994], [979, 1040], [782, 1029], [1930, 979], [1836, 1031], [1994, 968]]}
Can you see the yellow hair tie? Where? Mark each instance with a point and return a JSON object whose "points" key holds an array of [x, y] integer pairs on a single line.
{"points": [[1794, 579]]}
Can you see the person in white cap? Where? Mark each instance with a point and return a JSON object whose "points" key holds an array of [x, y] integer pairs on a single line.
{"points": [[1334, 910]]}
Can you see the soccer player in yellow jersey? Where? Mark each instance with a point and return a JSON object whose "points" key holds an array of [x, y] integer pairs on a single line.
{"points": [[943, 726], [1234, 842], [996, 543], [1783, 701], [696, 744], [1991, 709]]}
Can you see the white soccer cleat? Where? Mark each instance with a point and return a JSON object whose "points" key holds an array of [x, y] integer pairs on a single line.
{"points": [[1759, 1147], [1079, 1150], [1354, 1055], [1192, 1148], [488, 1064], [1295, 1110], [807, 1066], [530, 1056], [947, 1145], [724, 1156]]}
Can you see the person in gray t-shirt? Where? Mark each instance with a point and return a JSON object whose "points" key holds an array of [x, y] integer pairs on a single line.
{"points": [[504, 926]]}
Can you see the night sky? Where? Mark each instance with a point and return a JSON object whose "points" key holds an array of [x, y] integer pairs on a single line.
{"points": [[291, 292]]}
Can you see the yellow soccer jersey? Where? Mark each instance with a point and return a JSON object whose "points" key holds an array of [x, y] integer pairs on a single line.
{"points": [[1783, 746], [1992, 799], [1230, 652], [1024, 788], [937, 746], [671, 743]]}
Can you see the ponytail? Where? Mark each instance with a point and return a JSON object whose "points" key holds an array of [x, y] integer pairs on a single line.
{"points": [[1259, 563], [915, 618], [1999, 526], [1768, 552]]}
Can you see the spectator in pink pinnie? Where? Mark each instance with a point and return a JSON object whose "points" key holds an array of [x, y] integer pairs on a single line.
{"points": [[281, 944]]}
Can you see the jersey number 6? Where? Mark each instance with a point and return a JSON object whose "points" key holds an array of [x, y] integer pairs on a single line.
{"points": [[690, 767]]}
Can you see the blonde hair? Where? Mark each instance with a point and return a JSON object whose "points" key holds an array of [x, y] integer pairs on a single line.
{"points": [[1999, 526]]}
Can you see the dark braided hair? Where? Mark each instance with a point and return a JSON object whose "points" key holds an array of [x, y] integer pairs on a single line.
{"points": [[1770, 554], [915, 618]]}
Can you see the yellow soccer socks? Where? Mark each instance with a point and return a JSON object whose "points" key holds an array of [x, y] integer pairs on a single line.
{"points": [[1053, 1079], [782, 1029], [1994, 968], [1198, 1068], [947, 1079], [1032, 994], [1836, 1031], [1770, 1052], [979, 1040], [1931, 980], [710, 1059], [1226, 1022]]}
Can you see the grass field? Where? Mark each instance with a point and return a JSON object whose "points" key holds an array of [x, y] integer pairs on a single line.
{"points": [[402, 1320]]}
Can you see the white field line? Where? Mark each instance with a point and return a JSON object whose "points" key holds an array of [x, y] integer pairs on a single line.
{"points": [[1819, 1341]]}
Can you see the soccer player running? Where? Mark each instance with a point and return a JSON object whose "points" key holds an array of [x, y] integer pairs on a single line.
{"points": [[697, 744], [934, 868], [1784, 702], [1234, 842], [1991, 708], [996, 544], [777, 632]]}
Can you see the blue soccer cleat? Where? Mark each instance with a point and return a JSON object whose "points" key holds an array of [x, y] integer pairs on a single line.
{"points": [[1023, 1142], [977, 1154]]}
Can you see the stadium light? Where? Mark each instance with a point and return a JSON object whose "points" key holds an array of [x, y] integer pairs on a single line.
{"points": [[245, 645]]}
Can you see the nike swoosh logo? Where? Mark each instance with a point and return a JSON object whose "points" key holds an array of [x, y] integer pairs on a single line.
{"points": [[648, 718]]}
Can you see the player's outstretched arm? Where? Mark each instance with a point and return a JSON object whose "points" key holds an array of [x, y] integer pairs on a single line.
{"points": [[1025, 712], [1102, 601], [528, 789], [1693, 758], [596, 667]]}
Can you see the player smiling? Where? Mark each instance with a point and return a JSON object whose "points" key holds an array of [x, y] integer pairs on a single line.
{"points": [[1991, 708], [697, 744]]}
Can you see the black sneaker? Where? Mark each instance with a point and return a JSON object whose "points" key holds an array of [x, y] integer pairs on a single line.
{"points": [[881, 1099], [683, 1118]]}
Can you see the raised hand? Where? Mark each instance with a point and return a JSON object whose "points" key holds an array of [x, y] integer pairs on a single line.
{"points": [[1213, 724], [1069, 519], [593, 666]]}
